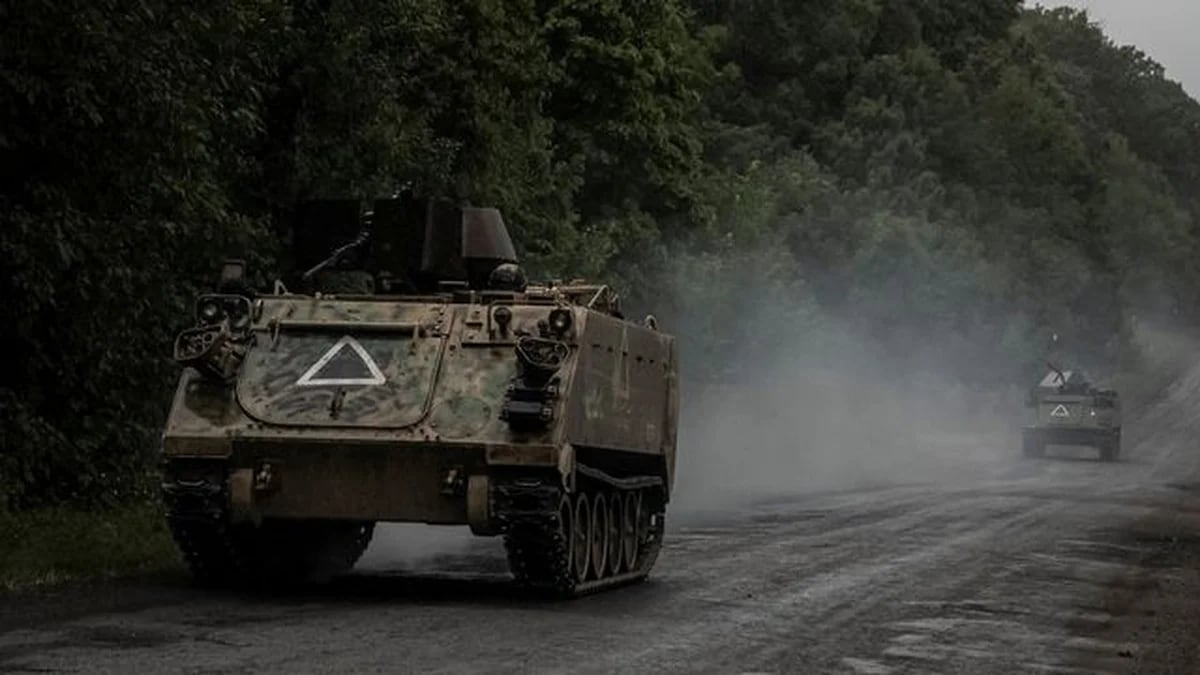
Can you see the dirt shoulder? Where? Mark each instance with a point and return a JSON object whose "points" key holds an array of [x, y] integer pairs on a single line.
{"points": [[1155, 608]]}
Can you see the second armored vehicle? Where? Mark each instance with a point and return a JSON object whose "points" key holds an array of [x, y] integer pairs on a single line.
{"points": [[414, 376], [1069, 410]]}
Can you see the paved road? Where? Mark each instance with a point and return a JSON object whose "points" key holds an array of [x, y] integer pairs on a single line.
{"points": [[1064, 565]]}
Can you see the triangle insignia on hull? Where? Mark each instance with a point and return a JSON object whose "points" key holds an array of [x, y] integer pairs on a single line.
{"points": [[1060, 411], [372, 378]]}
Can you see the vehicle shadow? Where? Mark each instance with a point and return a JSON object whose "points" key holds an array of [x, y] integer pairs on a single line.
{"points": [[423, 589], [396, 587], [1077, 453], [1076, 459]]}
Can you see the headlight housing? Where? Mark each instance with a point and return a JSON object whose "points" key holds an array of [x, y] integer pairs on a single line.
{"points": [[208, 311], [560, 321]]}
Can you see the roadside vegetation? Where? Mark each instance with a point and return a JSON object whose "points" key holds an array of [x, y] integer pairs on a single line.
{"points": [[53, 545], [948, 182]]}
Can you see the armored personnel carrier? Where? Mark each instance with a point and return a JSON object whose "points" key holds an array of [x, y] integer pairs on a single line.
{"points": [[415, 376], [1069, 410]]}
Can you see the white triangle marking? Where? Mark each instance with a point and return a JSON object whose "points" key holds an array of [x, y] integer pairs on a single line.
{"points": [[309, 379], [1060, 411]]}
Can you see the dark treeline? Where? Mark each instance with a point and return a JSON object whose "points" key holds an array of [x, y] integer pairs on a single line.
{"points": [[960, 168]]}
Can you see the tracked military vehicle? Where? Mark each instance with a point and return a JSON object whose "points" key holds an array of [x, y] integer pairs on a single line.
{"points": [[415, 376], [1069, 410]]}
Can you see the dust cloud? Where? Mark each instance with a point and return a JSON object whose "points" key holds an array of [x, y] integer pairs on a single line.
{"points": [[1161, 351], [783, 396], [829, 409], [428, 549], [813, 421]]}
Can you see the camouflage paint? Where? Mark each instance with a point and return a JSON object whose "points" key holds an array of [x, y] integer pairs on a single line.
{"points": [[383, 452]]}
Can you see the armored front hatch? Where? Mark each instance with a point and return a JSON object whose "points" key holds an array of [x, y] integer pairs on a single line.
{"points": [[343, 364], [536, 413]]}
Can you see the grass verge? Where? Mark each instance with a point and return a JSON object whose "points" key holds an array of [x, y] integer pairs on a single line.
{"points": [[47, 547]]}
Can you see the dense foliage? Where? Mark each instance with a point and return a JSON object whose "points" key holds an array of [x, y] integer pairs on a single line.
{"points": [[905, 168]]}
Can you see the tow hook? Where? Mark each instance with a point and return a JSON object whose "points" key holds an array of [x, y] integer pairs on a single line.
{"points": [[453, 483], [266, 476]]}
